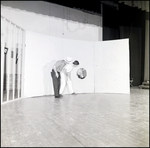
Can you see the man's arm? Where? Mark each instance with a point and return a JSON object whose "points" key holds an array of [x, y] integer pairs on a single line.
{"points": [[54, 67], [69, 75]]}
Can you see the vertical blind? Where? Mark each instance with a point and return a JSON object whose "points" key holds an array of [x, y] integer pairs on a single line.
{"points": [[12, 52]]}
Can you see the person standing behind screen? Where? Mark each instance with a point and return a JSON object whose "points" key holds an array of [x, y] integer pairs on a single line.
{"points": [[56, 74], [66, 77]]}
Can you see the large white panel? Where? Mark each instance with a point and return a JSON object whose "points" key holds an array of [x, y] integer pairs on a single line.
{"points": [[82, 51], [112, 66], [40, 54], [43, 51], [106, 63]]}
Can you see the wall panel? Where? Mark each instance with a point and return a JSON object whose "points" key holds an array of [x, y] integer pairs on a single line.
{"points": [[41, 53], [112, 66], [82, 51], [107, 64]]}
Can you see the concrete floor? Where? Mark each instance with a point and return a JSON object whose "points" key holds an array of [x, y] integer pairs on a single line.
{"points": [[82, 120]]}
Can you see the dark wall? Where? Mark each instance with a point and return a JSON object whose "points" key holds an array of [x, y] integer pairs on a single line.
{"points": [[110, 23], [127, 22]]}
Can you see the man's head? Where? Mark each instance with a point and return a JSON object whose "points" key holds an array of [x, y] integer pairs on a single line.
{"points": [[76, 63], [68, 59]]}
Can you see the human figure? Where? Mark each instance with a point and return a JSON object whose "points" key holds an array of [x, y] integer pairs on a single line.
{"points": [[56, 74], [66, 77]]}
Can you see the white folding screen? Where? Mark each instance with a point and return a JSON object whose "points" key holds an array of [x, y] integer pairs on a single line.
{"points": [[12, 46], [106, 62], [112, 66], [83, 51], [41, 53]]}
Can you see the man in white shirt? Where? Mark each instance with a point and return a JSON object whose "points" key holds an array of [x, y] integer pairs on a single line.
{"points": [[66, 77], [56, 74]]}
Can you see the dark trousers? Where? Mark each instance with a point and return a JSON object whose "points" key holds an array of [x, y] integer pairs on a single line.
{"points": [[56, 83]]}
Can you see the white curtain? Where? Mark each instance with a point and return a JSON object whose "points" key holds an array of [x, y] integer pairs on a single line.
{"points": [[143, 5]]}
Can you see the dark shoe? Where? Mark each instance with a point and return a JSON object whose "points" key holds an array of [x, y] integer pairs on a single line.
{"points": [[74, 93], [59, 96]]}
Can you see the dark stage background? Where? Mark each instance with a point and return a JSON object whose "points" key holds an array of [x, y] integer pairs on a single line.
{"points": [[127, 22]]}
